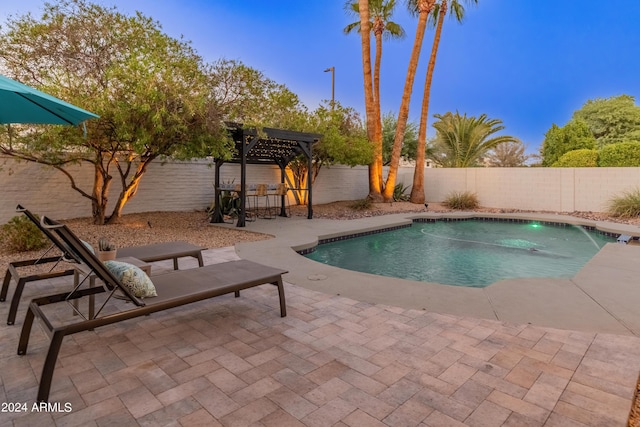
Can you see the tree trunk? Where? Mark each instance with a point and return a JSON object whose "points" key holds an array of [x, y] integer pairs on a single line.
{"points": [[128, 190], [377, 160], [369, 102], [426, 6], [100, 193], [417, 189], [123, 198]]}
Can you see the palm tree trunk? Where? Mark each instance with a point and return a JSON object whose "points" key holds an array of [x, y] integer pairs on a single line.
{"points": [[369, 102], [376, 195], [426, 6], [417, 189]]}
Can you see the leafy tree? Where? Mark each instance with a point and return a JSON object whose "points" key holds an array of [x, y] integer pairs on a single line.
{"points": [[389, 125], [245, 95], [439, 13], [624, 154], [149, 89], [462, 141], [379, 15], [611, 120], [559, 140], [582, 158], [508, 155], [344, 141]]}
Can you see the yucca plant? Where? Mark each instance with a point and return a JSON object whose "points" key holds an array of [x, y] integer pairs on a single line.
{"points": [[626, 205], [461, 200]]}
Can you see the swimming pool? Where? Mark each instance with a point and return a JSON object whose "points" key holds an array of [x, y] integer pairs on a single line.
{"points": [[472, 253]]}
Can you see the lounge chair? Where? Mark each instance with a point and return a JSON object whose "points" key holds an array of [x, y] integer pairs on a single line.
{"points": [[174, 289], [21, 281], [146, 253]]}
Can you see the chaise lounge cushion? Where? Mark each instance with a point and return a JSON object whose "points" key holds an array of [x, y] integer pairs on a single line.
{"points": [[133, 278]]}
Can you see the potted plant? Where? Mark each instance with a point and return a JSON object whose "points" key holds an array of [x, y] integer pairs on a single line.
{"points": [[106, 250]]}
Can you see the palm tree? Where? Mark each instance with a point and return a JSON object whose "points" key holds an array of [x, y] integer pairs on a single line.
{"points": [[462, 141], [439, 13], [369, 100], [423, 9], [380, 14]]}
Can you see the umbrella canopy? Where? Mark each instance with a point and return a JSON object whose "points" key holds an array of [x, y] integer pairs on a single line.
{"points": [[23, 104]]}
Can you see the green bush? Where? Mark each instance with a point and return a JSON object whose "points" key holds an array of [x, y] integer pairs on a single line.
{"points": [[21, 235], [583, 158], [463, 200], [399, 193], [623, 154], [362, 204], [627, 205]]}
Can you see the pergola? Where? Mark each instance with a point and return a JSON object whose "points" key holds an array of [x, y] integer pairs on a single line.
{"points": [[265, 147]]}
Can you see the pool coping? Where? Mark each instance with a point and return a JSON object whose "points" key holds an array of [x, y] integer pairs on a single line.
{"points": [[601, 297], [305, 250]]}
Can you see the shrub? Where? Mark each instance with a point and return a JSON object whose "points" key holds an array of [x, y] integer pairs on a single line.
{"points": [[463, 200], [623, 154], [583, 158], [399, 193], [627, 205], [21, 235], [361, 205]]}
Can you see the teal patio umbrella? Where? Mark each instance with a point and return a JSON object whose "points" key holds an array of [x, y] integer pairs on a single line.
{"points": [[23, 104]]}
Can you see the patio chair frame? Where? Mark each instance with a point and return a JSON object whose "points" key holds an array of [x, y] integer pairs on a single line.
{"points": [[21, 281], [174, 289], [146, 253]]}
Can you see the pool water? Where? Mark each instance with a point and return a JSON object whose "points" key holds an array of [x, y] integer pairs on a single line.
{"points": [[467, 253]]}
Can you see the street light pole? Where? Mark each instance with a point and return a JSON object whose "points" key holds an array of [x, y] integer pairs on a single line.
{"points": [[333, 84]]}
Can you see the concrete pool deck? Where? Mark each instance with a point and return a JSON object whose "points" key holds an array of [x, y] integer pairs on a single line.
{"points": [[602, 297]]}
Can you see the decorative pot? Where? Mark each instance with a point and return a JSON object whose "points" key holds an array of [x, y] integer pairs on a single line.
{"points": [[107, 255]]}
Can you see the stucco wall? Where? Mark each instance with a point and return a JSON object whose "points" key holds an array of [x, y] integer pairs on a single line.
{"points": [[184, 186], [553, 189], [173, 186]]}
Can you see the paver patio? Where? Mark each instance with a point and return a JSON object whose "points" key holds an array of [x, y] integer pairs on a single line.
{"points": [[332, 361]]}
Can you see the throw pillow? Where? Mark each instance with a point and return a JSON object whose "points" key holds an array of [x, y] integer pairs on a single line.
{"points": [[88, 246], [133, 278]]}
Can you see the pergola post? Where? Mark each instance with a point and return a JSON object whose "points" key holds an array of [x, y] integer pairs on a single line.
{"points": [[283, 175], [309, 182], [217, 216], [243, 182], [269, 146]]}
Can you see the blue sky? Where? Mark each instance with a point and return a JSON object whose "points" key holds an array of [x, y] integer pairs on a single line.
{"points": [[529, 63]]}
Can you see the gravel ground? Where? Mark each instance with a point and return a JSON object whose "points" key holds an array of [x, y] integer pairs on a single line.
{"points": [[155, 227], [147, 228]]}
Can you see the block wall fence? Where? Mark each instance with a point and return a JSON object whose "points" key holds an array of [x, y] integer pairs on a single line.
{"points": [[187, 186]]}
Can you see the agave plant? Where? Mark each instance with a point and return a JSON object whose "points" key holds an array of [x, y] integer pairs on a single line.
{"points": [[105, 245]]}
